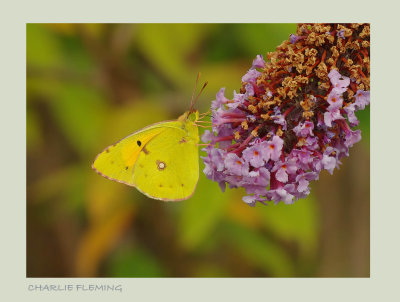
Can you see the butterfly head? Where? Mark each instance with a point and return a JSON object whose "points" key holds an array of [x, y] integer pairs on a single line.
{"points": [[191, 116]]}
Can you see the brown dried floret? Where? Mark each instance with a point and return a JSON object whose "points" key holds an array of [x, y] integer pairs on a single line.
{"points": [[365, 44], [330, 61], [320, 39], [311, 52], [291, 94], [322, 71], [308, 114], [295, 71], [330, 38], [355, 25], [311, 61], [281, 91], [365, 32], [237, 135], [350, 93], [325, 85], [311, 38], [279, 132], [252, 108], [265, 116], [335, 52]]}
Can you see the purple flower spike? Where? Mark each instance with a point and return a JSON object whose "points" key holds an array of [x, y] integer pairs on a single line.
{"points": [[293, 116]]}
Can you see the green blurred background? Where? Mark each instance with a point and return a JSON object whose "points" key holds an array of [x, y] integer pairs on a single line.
{"points": [[89, 85]]}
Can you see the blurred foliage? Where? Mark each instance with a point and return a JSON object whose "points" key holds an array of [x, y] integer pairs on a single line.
{"points": [[89, 85]]}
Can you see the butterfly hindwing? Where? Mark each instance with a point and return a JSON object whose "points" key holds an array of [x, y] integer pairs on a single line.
{"points": [[169, 167]]}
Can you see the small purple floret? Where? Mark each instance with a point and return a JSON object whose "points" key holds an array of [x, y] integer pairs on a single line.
{"points": [[220, 99], [340, 34], [362, 99], [254, 155], [251, 76], [272, 149], [258, 62], [304, 129], [235, 165], [339, 82]]}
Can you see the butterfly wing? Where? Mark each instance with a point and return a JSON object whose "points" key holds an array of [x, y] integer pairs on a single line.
{"points": [[116, 162], [168, 167], [160, 160]]}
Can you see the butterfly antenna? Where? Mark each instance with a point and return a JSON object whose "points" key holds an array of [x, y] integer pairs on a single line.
{"points": [[194, 90], [197, 97]]}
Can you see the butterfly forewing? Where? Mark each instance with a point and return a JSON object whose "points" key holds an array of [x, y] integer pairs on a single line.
{"points": [[116, 162]]}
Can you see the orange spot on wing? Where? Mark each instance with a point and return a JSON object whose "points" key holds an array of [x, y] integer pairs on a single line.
{"points": [[130, 152]]}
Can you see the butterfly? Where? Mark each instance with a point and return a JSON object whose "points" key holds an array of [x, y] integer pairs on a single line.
{"points": [[160, 160]]}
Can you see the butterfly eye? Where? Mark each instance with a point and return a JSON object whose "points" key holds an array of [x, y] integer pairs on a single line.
{"points": [[139, 143]]}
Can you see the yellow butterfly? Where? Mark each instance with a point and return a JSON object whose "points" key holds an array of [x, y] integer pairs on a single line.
{"points": [[160, 160]]}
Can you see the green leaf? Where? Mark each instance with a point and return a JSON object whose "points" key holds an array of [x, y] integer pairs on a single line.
{"points": [[134, 262], [42, 47], [79, 111], [259, 250], [364, 118], [167, 47], [297, 222], [210, 270], [260, 38], [200, 214], [76, 58], [34, 135]]}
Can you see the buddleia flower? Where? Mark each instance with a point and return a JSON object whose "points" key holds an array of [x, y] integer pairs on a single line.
{"points": [[294, 115]]}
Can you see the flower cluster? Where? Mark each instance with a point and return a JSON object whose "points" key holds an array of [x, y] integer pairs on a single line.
{"points": [[293, 116]]}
